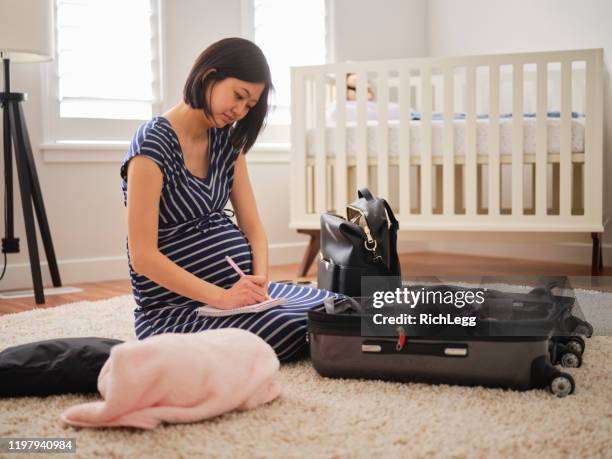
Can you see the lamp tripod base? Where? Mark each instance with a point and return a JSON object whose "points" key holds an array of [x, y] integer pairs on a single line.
{"points": [[16, 138]]}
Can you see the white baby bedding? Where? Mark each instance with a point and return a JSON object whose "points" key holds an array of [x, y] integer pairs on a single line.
{"points": [[437, 128]]}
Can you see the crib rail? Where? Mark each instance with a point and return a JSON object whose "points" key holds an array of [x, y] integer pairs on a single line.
{"points": [[520, 191]]}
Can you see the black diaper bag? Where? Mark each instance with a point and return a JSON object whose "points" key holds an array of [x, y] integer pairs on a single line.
{"points": [[363, 244]]}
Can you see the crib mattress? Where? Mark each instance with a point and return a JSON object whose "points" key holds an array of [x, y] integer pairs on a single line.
{"points": [[460, 130]]}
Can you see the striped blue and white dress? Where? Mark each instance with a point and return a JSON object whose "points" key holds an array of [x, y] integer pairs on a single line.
{"points": [[196, 233]]}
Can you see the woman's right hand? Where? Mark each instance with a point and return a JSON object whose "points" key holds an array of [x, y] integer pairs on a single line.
{"points": [[248, 290]]}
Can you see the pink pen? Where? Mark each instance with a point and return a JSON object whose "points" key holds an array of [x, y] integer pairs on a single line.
{"points": [[234, 265]]}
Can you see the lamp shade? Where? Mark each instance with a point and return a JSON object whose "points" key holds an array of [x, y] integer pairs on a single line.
{"points": [[26, 30]]}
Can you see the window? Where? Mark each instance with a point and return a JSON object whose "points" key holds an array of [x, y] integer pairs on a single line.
{"points": [[290, 33], [105, 80]]}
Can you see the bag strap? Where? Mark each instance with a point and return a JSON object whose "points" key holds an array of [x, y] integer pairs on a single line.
{"points": [[394, 258], [394, 267], [365, 193]]}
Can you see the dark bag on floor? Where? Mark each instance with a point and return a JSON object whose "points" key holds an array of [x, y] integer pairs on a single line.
{"points": [[52, 367], [363, 244]]}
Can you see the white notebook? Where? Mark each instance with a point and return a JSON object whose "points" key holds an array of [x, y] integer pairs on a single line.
{"points": [[251, 308]]}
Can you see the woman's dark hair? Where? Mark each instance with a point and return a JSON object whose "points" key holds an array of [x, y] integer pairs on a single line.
{"points": [[236, 58]]}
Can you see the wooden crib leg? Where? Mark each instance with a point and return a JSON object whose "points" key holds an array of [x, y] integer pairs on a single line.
{"points": [[311, 251], [597, 258]]}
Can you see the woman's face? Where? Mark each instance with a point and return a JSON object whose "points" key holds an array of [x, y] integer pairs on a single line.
{"points": [[231, 99]]}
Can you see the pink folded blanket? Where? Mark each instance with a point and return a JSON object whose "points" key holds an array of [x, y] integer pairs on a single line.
{"points": [[181, 377]]}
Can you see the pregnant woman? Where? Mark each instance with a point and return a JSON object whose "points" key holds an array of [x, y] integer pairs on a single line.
{"points": [[179, 172]]}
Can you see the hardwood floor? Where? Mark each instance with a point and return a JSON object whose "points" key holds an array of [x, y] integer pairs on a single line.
{"points": [[414, 265], [91, 292]]}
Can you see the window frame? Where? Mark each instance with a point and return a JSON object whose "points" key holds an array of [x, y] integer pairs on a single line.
{"points": [[279, 132], [57, 130]]}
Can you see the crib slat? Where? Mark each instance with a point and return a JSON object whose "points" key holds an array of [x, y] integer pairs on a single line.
{"points": [[494, 163], [541, 139], [470, 139], [310, 105], [517, 139], [320, 147], [426, 170], [404, 143], [448, 167], [340, 167], [565, 147], [298, 136], [362, 133], [593, 137], [382, 168]]}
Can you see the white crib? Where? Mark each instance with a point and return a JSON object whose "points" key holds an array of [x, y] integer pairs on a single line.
{"points": [[519, 168]]}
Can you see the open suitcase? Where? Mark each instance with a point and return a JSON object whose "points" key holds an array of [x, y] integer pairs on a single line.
{"points": [[491, 354]]}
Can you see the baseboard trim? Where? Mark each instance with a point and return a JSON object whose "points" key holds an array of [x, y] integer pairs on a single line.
{"points": [[576, 253], [72, 271], [97, 269]]}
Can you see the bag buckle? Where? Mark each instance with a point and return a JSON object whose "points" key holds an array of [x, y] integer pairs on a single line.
{"points": [[372, 243]]}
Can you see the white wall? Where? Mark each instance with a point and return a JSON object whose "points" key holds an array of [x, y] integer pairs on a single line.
{"points": [[190, 26], [467, 27], [386, 29], [500, 26]]}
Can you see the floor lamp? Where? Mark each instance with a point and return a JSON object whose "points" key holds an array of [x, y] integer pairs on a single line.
{"points": [[26, 35]]}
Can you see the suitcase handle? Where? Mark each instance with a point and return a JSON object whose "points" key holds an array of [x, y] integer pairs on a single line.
{"points": [[414, 348]]}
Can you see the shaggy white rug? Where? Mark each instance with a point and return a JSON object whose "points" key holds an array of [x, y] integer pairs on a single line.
{"points": [[320, 417]]}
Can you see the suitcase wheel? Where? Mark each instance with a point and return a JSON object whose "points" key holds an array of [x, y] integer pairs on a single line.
{"points": [[576, 344], [569, 343], [570, 359], [562, 385]]}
